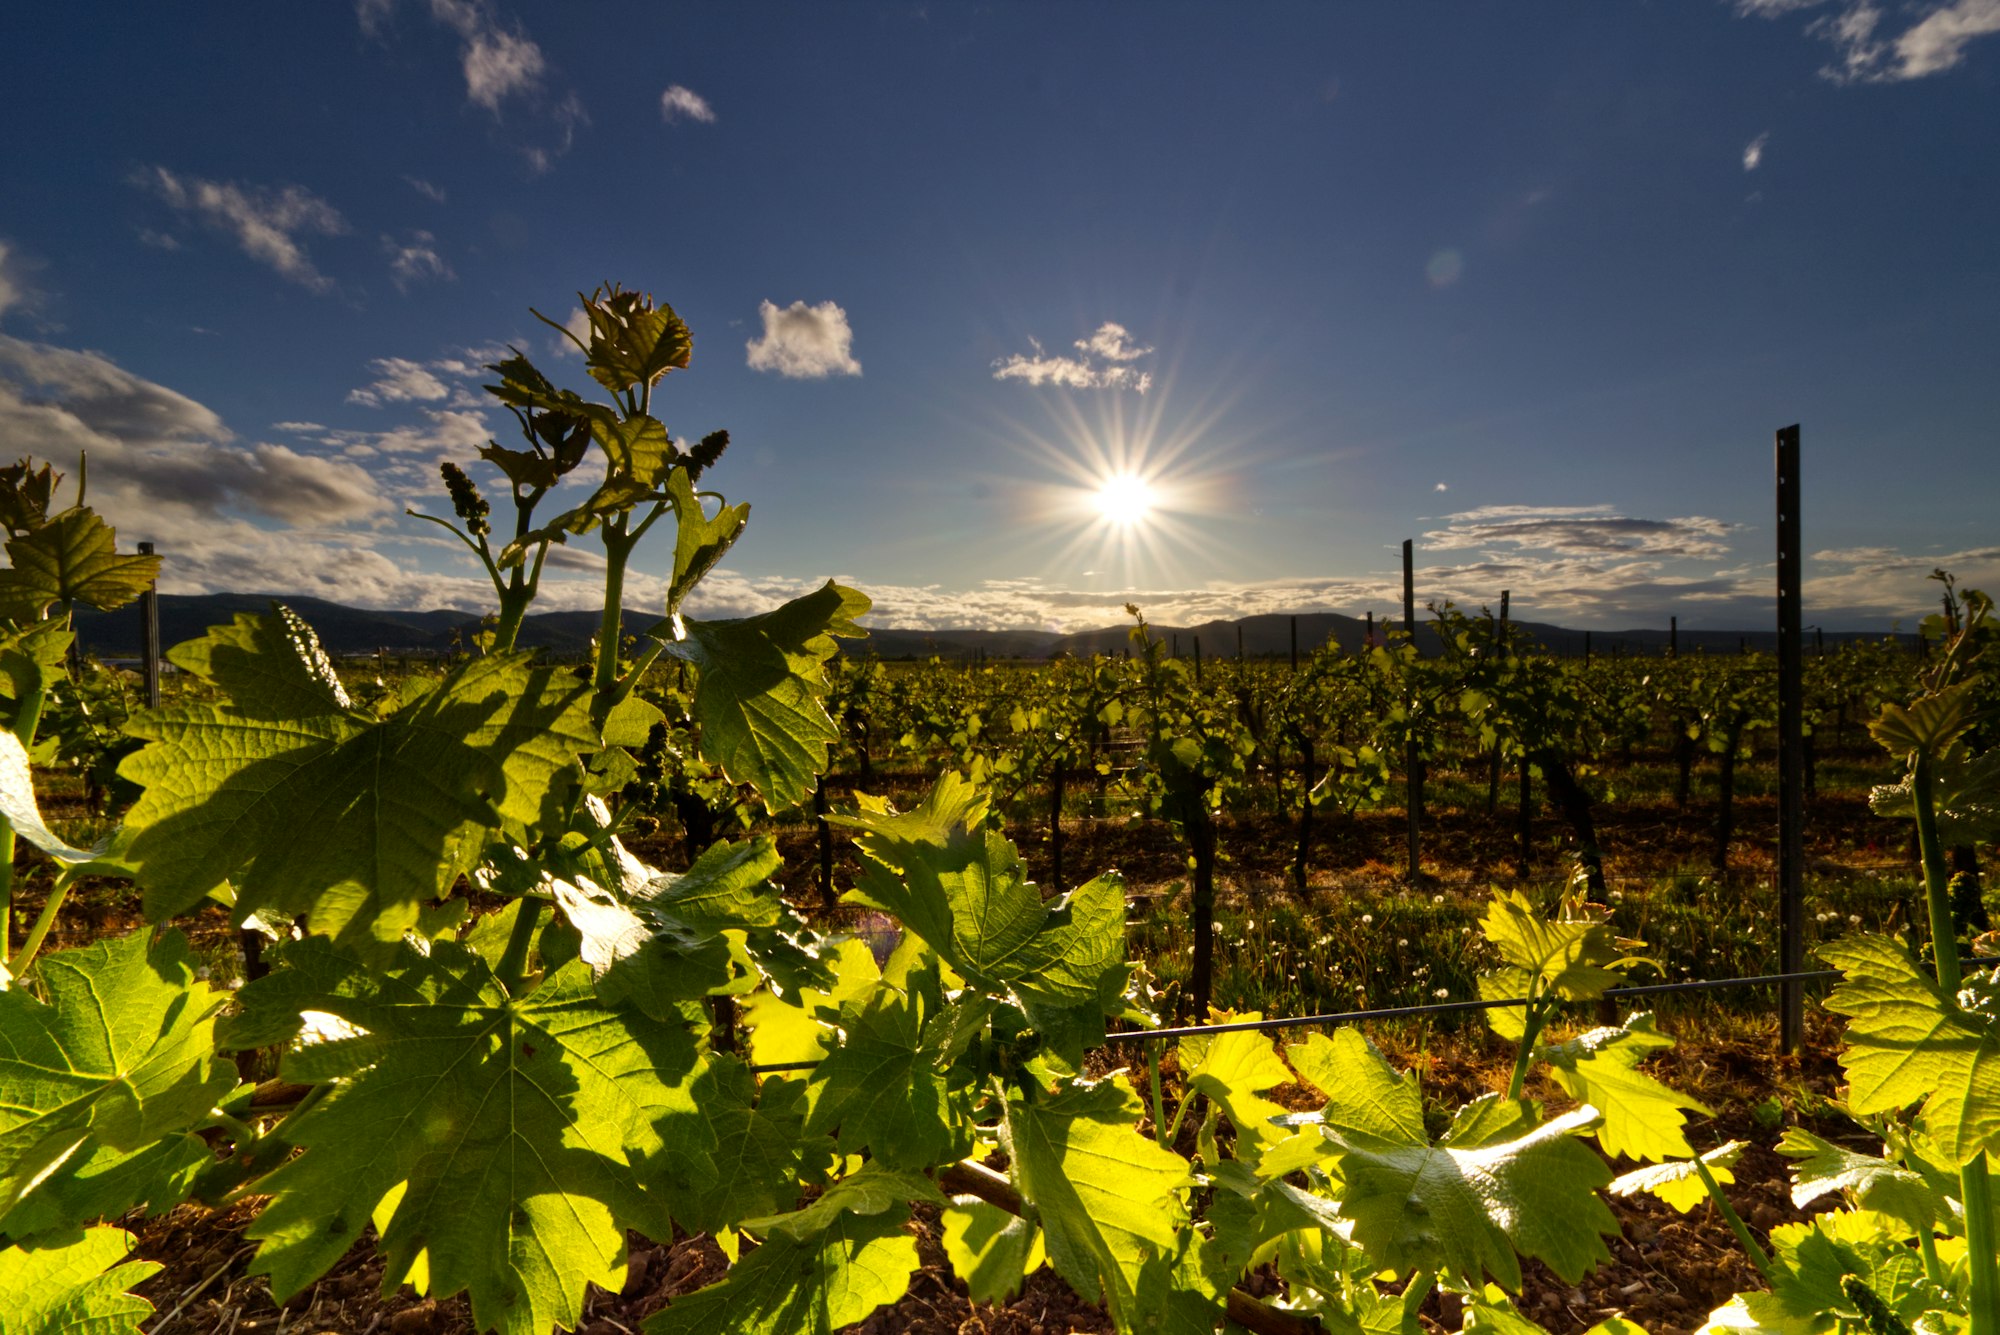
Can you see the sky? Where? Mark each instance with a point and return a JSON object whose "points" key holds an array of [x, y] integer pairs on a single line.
{"points": [[1019, 312]]}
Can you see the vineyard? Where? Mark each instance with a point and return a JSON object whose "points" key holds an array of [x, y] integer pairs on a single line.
{"points": [[734, 980]]}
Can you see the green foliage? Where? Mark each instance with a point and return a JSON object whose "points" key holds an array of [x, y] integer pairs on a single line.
{"points": [[69, 559], [1909, 1045], [120, 1056], [73, 1286], [499, 1144], [305, 805], [759, 698], [1109, 1199], [1462, 1207], [1642, 1117]]}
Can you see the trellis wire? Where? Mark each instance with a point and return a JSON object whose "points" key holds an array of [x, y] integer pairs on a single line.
{"points": [[1433, 1008]]}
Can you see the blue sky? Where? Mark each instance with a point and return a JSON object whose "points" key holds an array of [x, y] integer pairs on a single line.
{"points": [[1532, 285]]}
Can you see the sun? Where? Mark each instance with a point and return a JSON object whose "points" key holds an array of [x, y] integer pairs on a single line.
{"points": [[1125, 499]]}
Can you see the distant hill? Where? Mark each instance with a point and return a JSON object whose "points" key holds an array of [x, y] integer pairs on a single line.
{"points": [[352, 630]]}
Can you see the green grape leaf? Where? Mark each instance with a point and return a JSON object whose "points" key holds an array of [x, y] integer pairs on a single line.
{"points": [[71, 559], [666, 939], [1463, 1212], [964, 890], [20, 811], [989, 1248], [1906, 1044], [75, 1286], [1367, 1102], [98, 1182], [699, 541], [496, 1142], [785, 1031], [758, 1134], [1235, 1070], [1965, 797], [814, 1286], [1576, 958], [881, 1087], [1109, 1199], [638, 447], [1489, 1119], [1677, 1182], [1813, 1262], [1930, 723], [633, 341], [1871, 1182], [349, 819], [121, 1055], [759, 697], [1506, 983], [1642, 1117], [270, 666]]}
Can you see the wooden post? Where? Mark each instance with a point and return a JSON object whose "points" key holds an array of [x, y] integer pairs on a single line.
{"points": [[149, 634], [1499, 646], [1369, 643], [1239, 641], [1295, 644], [1673, 637], [1197, 660], [1791, 748], [1174, 646], [1412, 766]]}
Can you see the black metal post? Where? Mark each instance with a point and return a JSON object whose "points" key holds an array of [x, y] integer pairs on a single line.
{"points": [[1791, 748], [1412, 766]]}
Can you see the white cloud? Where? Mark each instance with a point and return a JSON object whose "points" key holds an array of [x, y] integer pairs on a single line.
{"points": [[158, 240], [1753, 152], [161, 462], [498, 61], [1579, 530], [1440, 487], [399, 380], [415, 260], [444, 433], [1103, 365], [1933, 37], [577, 324], [266, 222], [682, 103], [802, 342], [434, 193], [502, 66]]}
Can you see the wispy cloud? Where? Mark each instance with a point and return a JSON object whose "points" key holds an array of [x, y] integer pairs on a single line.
{"points": [[415, 259], [434, 193], [1753, 152], [1923, 38], [1580, 530], [1105, 363], [802, 342], [501, 64], [683, 103], [399, 380], [267, 222]]}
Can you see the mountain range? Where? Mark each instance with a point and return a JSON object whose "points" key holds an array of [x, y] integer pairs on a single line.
{"points": [[349, 631]]}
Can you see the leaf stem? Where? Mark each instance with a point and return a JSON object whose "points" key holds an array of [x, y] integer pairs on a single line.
{"points": [[43, 921], [1531, 1030], [513, 970], [1975, 1186], [1758, 1256]]}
